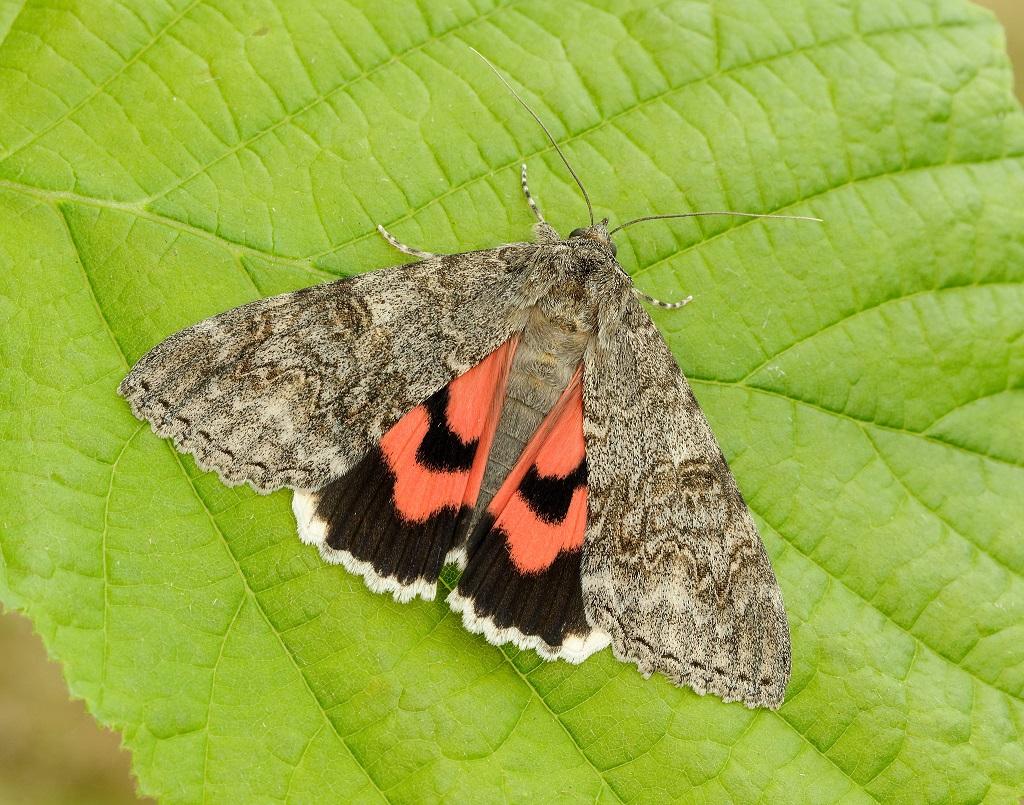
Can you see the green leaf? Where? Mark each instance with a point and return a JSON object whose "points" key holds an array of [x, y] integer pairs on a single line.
{"points": [[161, 162]]}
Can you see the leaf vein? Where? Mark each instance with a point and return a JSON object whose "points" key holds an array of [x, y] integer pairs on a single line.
{"points": [[99, 88], [871, 308]]}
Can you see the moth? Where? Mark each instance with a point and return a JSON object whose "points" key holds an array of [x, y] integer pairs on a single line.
{"points": [[514, 411]]}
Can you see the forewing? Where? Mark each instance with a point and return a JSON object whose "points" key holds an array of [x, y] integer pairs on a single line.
{"points": [[673, 567], [294, 389]]}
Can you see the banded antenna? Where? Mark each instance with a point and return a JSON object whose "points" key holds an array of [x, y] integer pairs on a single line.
{"points": [[526, 106]]}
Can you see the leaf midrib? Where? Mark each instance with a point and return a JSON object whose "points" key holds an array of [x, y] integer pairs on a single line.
{"points": [[889, 300], [53, 198], [710, 381], [863, 425]]}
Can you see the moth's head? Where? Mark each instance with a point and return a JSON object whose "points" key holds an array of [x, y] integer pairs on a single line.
{"points": [[592, 258], [598, 233]]}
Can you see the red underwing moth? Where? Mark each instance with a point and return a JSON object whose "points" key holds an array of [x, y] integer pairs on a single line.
{"points": [[513, 411]]}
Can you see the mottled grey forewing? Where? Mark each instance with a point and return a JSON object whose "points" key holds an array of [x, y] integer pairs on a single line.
{"points": [[292, 390], [673, 567]]}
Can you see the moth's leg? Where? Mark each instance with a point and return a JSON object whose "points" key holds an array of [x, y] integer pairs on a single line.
{"points": [[401, 246], [530, 199], [659, 303]]}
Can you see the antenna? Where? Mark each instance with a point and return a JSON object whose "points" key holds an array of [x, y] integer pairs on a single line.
{"points": [[540, 123], [687, 300], [714, 212]]}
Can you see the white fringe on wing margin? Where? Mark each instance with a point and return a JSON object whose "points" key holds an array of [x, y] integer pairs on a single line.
{"points": [[575, 649], [456, 556], [313, 531]]}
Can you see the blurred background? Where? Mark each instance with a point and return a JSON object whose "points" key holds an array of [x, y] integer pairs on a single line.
{"points": [[1011, 13], [51, 750]]}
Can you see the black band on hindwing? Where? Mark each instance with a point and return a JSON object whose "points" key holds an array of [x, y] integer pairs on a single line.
{"points": [[361, 518], [549, 497], [548, 604], [441, 449]]}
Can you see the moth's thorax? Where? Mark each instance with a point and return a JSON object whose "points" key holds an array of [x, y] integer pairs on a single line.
{"points": [[586, 279], [547, 356], [570, 306]]}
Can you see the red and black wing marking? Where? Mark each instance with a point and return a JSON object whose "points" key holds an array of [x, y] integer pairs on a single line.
{"points": [[394, 517], [521, 583]]}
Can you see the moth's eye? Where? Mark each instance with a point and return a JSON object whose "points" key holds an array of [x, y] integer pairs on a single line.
{"points": [[577, 233]]}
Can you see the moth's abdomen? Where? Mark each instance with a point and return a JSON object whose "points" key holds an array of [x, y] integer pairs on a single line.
{"points": [[546, 359], [522, 580], [519, 420]]}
